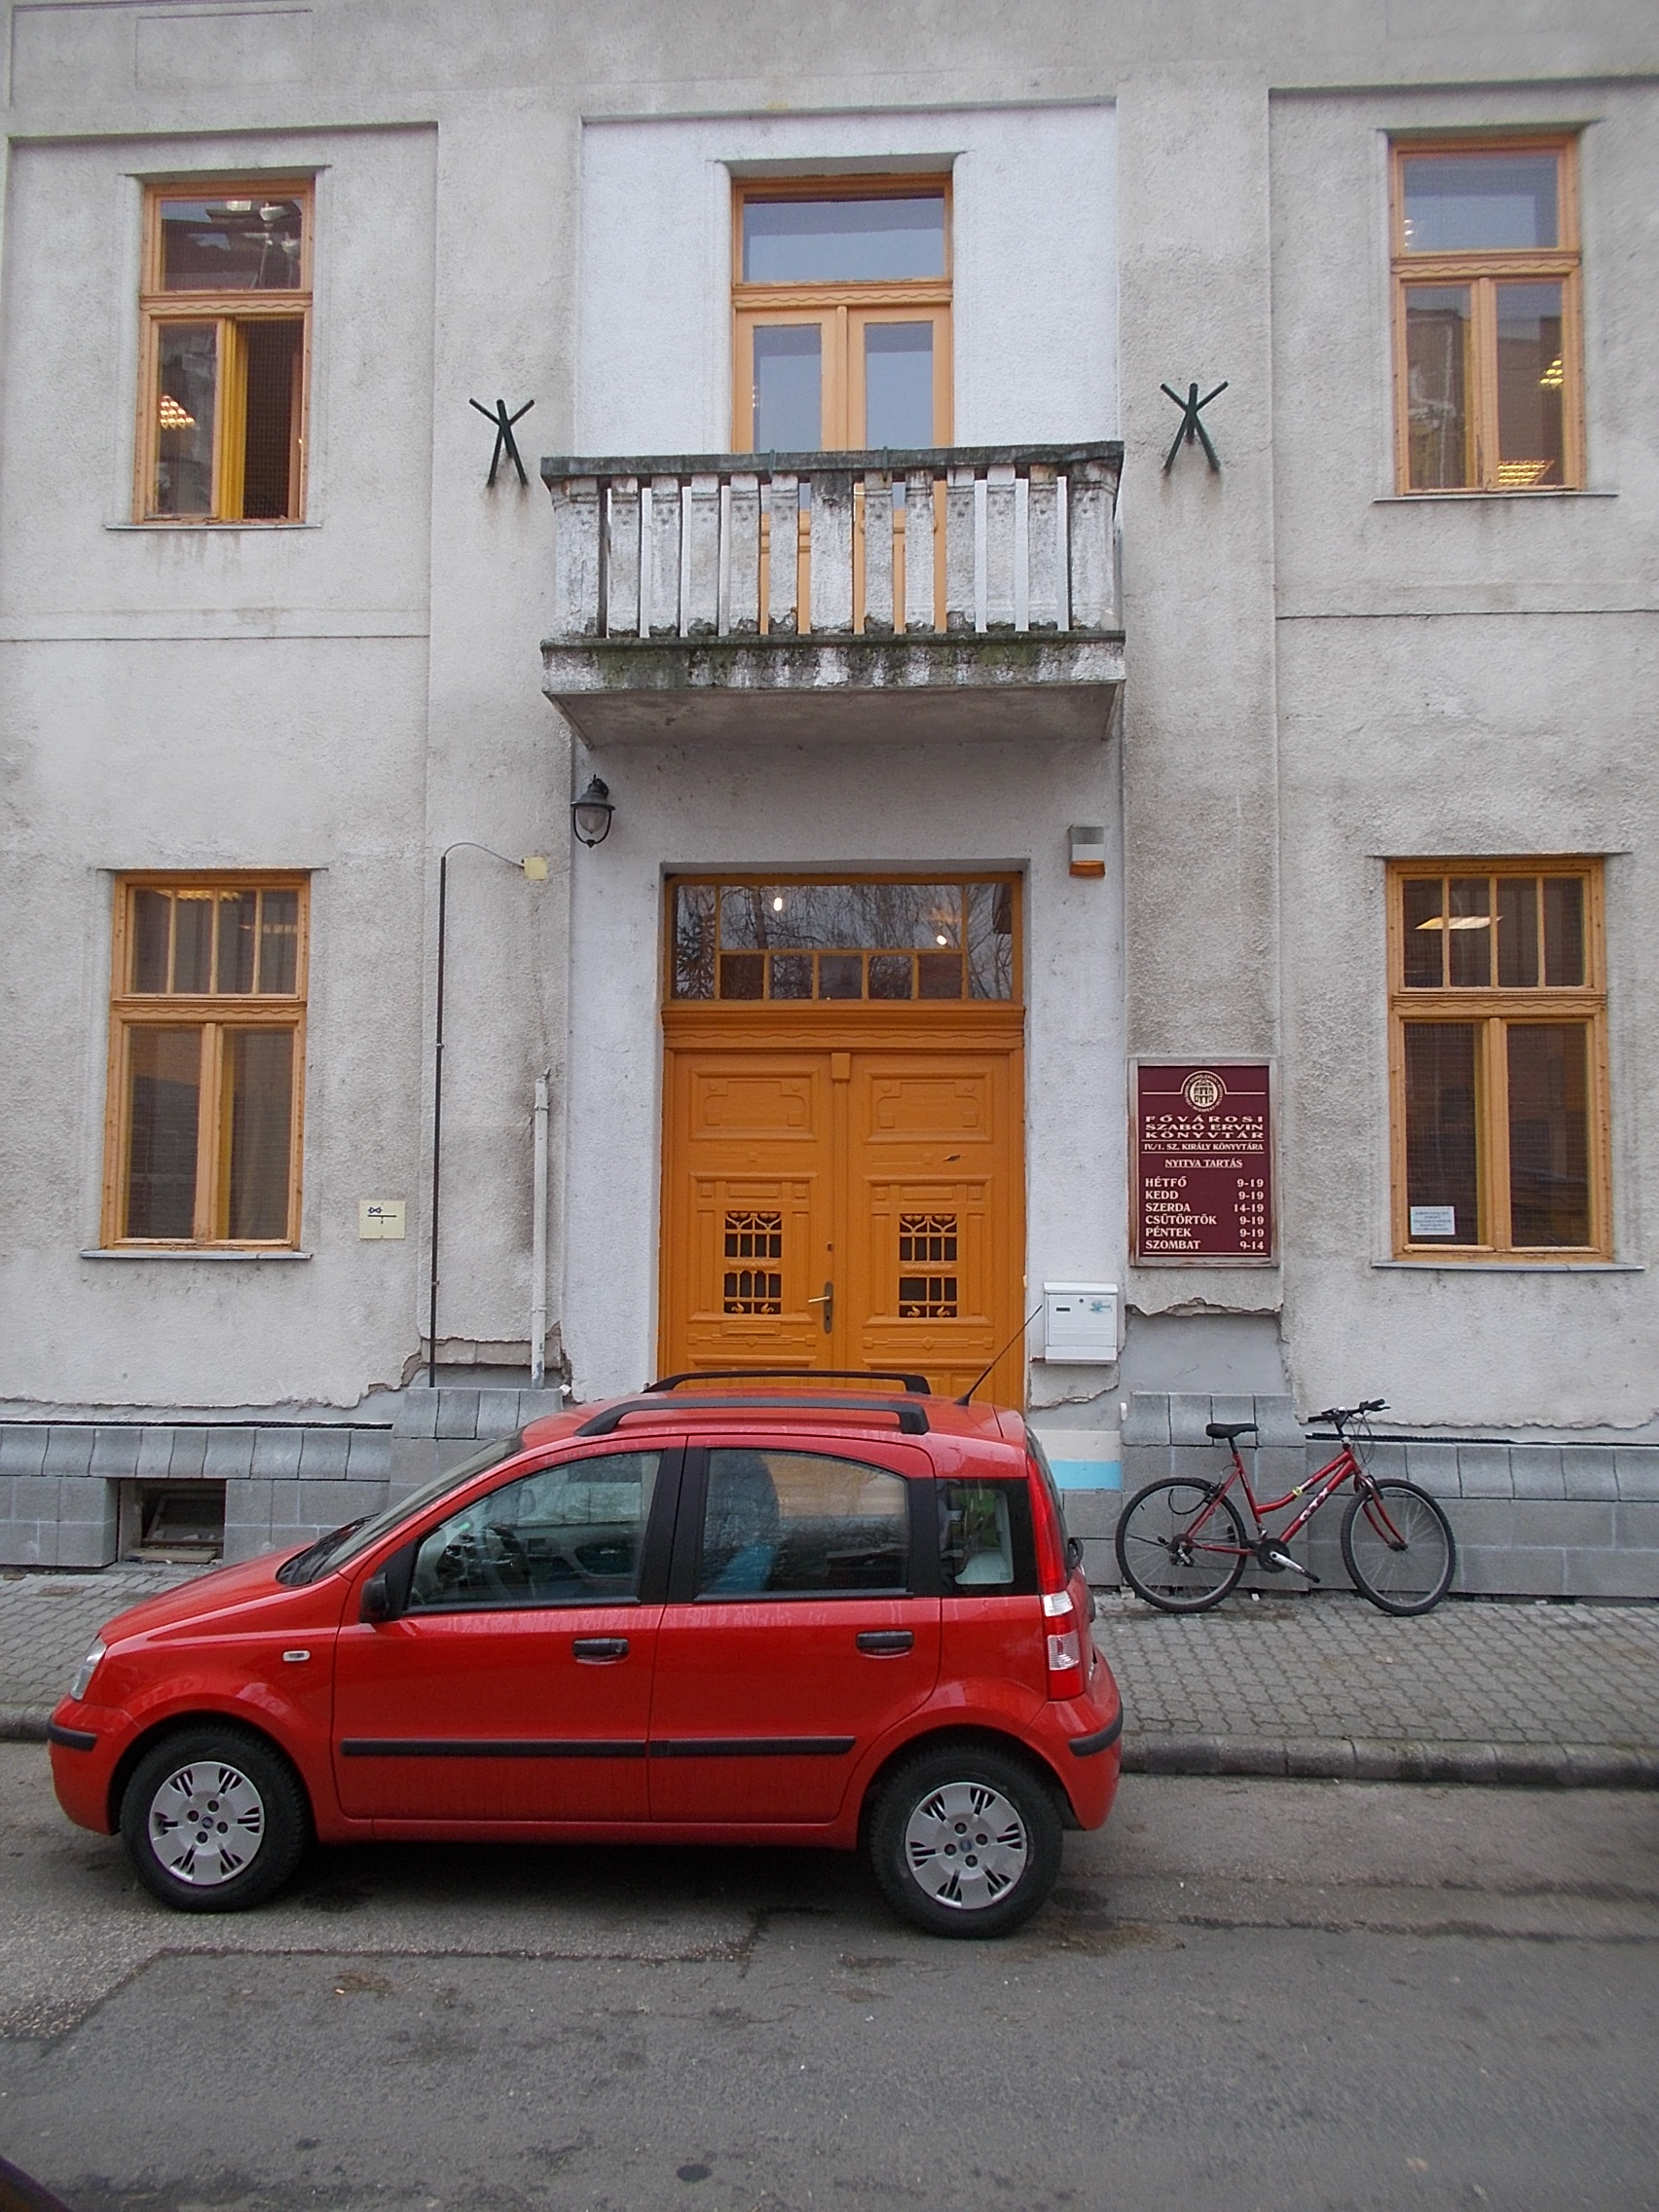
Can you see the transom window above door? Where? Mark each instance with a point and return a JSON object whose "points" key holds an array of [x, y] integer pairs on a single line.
{"points": [[841, 315], [875, 939]]}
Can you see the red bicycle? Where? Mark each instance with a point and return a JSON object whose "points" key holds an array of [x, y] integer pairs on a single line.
{"points": [[1181, 1543]]}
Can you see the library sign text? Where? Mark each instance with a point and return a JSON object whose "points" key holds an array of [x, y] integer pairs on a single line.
{"points": [[1203, 1163]]}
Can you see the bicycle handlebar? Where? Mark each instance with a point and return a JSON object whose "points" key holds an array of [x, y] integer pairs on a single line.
{"points": [[1339, 1416]]}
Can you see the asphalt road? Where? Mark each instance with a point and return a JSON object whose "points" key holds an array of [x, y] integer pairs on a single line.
{"points": [[1245, 1993]]}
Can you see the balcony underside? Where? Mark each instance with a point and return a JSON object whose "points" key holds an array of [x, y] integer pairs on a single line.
{"points": [[968, 686]]}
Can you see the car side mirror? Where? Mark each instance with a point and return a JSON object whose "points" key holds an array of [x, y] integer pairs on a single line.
{"points": [[1074, 1551], [377, 1602]]}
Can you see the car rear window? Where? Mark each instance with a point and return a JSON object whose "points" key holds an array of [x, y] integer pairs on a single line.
{"points": [[985, 1544], [801, 1523]]}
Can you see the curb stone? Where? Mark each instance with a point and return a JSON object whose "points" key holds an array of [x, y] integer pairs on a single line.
{"points": [[1358, 1758], [23, 1723]]}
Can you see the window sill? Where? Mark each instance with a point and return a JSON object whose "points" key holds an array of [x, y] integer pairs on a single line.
{"points": [[208, 525], [1477, 491], [1516, 1266], [189, 1252]]}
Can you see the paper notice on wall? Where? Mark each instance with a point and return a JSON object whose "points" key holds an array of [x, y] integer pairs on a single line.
{"points": [[1434, 1221]]}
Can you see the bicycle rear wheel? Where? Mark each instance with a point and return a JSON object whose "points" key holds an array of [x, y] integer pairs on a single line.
{"points": [[1397, 1546], [1179, 1546]]}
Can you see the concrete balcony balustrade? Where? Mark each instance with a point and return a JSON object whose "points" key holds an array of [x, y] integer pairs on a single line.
{"points": [[679, 604]]}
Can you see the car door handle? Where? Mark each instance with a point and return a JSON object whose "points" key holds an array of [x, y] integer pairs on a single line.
{"points": [[885, 1642], [598, 1648]]}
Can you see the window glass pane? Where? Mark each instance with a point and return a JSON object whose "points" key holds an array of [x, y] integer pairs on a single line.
{"points": [[279, 941], [1437, 381], [1442, 1185], [273, 353], [742, 976], [899, 383], [1517, 932], [840, 976], [571, 1534], [1564, 930], [938, 976], [186, 383], [238, 915], [1479, 203], [990, 940], [193, 941], [692, 953], [163, 1103], [259, 1099], [1530, 378], [1468, 932], [884, 917], [789, 387], [1425, 938], [1549, 1134], [826, 241], [799, 1520], [985, 1537], [152, 913], [792, 975], [250, 245]]}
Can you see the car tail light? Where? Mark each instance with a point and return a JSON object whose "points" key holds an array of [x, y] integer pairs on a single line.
{"points": [[1062, 1632]]}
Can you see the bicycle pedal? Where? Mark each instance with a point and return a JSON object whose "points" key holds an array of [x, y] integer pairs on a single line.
{"points": [[1276, 1561]]}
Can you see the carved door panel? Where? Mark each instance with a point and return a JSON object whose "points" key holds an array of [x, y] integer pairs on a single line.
{"points": [[748, 1179], [934, 1205]]}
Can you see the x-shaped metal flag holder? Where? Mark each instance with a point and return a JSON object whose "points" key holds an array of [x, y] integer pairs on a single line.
{"points": [[1191, 428], [506, 442]]}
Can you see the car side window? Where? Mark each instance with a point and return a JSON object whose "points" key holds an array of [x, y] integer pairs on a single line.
{"points": [[801, 1523], [985, 1544], [569, 1534]]}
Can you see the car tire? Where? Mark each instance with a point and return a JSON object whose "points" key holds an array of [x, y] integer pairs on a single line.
{"points": [[965, 1842], [214, 1819]]}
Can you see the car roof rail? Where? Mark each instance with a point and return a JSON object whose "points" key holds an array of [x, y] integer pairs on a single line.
{"points": [[917, 1386], [912, 1418]]}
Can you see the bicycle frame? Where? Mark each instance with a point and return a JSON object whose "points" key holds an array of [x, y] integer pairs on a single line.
{"points": [[1322, 1485]]}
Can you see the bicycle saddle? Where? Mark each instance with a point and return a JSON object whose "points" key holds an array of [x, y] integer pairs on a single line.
{"points": [[1224, 1431]]}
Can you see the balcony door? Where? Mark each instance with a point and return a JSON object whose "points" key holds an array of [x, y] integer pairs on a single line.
{"points": [[842, 1148], [842, 330]]}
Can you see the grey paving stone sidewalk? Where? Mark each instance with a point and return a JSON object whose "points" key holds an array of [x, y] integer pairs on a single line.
{"points": [[1304, 1686]]}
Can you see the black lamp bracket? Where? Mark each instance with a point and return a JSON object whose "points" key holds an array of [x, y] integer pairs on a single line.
{"points": [[1190, 426], [505, 442]]}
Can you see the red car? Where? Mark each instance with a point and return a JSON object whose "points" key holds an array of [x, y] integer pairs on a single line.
{"points": [[841, 1617]]}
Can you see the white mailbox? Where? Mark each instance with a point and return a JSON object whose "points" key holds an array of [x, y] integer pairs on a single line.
{"points": [[1079, 1322]]}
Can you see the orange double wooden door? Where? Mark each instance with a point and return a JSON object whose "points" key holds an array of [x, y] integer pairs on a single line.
{"points": [[838, 1196]]}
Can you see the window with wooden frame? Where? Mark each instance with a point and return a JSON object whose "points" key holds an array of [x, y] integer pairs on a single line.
{"points": [[206, 1064], [1498, 1060], [841, 330], [1487, 389], [225, 310]]}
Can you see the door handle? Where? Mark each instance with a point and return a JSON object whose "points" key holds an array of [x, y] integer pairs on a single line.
{"points": [[885, 1642], [828, 1301], [598, 1648]]}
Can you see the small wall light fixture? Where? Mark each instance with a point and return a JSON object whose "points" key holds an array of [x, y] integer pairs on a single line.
{"points": [[590, 815], [1088, 848]]}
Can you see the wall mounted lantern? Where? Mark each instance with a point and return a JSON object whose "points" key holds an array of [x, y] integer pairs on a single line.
{"points": [[590, 815]]}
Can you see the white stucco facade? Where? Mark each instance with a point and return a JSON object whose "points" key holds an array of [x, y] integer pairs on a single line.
{"points": [[1320, 678]]}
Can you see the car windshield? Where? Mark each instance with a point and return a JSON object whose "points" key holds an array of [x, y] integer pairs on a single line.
{"points": [[344, 1544]]}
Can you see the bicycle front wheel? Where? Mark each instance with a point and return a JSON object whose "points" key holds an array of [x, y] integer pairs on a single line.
{"points": [[1179, 1546], [1397, 1546]]}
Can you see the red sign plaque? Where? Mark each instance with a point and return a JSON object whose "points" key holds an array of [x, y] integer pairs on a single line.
{"points": [[1203, 1163]]}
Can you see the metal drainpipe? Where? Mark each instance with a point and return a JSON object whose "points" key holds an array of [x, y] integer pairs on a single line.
{"points": [[538, 1239]]}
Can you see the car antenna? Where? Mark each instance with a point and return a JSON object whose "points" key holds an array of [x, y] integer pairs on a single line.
{"points": [[967, 1394]]}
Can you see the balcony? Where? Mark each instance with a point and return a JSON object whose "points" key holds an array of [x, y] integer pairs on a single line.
{"points": [[680, 605]]}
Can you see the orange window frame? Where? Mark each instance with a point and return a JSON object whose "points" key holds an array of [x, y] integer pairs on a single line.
{"points": [[213, 1013], [1482, 272], [227, 314], [1493, 1011]]}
